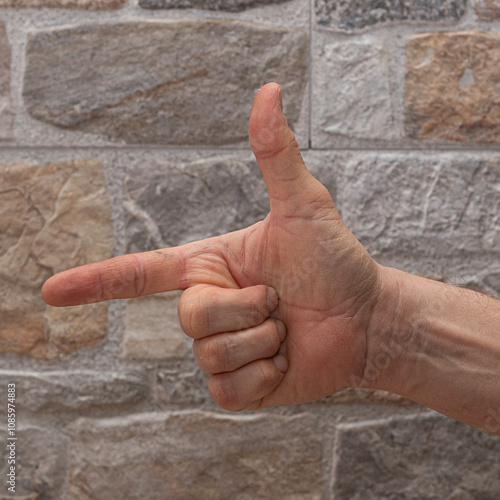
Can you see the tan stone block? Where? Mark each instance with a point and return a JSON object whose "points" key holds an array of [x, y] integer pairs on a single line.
{"points": [[152, 328], [52, 217], [487, 10], [65, 4], [452, 87]]}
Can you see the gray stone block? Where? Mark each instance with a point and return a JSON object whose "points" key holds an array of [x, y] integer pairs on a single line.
{"points": [[351, 93], [173, 82], [6, 116], [441, 207], [196, 455], [416, 457], [76, 390], [223, 5], [41, 456], [353, 14], [171, 204]]}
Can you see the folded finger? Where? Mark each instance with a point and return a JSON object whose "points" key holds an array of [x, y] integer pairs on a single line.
{"points": [[225, 352], [205, 309], [244, 388]]}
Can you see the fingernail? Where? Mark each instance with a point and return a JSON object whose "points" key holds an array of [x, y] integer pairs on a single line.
{"points": [[281, 363], [281, 330], [280, 97], [272, 299]]}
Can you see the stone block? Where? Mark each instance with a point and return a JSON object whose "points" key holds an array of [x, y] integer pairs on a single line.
{"points": [[421, 456], [487, 10], [353, 14], [41, 456], [183, 387], [438, 207], [222, 5], [152, 328], [171, 204], [76, 390], [65, 4], [351, 95], [52, 217], [174, 82], [6, 116], [452, 87], [365, 396], [196, 455]]}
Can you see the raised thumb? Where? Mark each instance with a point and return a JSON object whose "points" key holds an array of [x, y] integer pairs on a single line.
{"points": [[289, 183]]}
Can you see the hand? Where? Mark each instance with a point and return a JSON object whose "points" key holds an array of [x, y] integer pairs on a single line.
{"points": [[280, 310]]}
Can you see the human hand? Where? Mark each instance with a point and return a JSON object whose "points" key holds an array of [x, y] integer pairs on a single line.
{"points": [[300, 272]]}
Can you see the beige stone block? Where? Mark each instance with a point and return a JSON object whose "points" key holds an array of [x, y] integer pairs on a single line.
{"points": [[52, 217], [65, 4], [152, 328], [452, 87], [200, 455]]}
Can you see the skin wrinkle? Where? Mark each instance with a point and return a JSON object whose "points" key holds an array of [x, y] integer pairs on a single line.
{"points": [[140, 276]]}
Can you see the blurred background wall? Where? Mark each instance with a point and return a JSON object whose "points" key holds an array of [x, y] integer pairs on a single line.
{"points": [[123, 127]]}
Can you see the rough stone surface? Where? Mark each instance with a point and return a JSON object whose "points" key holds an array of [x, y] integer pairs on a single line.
{"points": [[6, 117], [196, 455], [152, 328], [81, 390], [182, 387], [41, 462], [52, 217], [346, 70], [223, 5], [452, 87], [174, 82], [487, 10], [429, 206], [352, 14], [172, 204], [365, 396], [65, 4], [416, 457]]}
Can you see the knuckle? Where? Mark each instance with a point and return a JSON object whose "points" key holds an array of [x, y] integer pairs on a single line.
{"points": [[274, 335], [214, 354], [268, 376], [223, 392], [193, 316]]}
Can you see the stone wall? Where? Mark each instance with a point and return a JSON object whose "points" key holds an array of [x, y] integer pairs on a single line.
{"points": [[123, 128]]}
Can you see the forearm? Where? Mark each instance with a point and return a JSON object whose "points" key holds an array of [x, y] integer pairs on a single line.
{"points": [[437, 345]]}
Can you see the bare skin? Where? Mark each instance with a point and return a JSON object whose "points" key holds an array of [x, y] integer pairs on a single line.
{"points": [[293, 308]]}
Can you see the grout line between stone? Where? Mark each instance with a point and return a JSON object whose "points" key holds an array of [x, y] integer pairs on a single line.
{"points": [[160, 149]]}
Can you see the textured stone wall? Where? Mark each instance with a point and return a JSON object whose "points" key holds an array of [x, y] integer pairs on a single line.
{"points": [[123, 129]]}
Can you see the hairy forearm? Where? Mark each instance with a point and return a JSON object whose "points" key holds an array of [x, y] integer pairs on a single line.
{"points": [[437, 345]]}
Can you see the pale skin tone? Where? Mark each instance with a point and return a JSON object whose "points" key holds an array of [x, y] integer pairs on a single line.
{"points": [[293, 308]]}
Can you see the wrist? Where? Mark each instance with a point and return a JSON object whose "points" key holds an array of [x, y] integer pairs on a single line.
{"points": [[392, 332]]}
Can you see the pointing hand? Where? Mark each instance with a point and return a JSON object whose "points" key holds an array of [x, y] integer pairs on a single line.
{"points": [[279, 311]]}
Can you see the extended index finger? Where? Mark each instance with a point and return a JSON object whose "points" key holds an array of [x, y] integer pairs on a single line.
{"points": [[122, 277]]}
